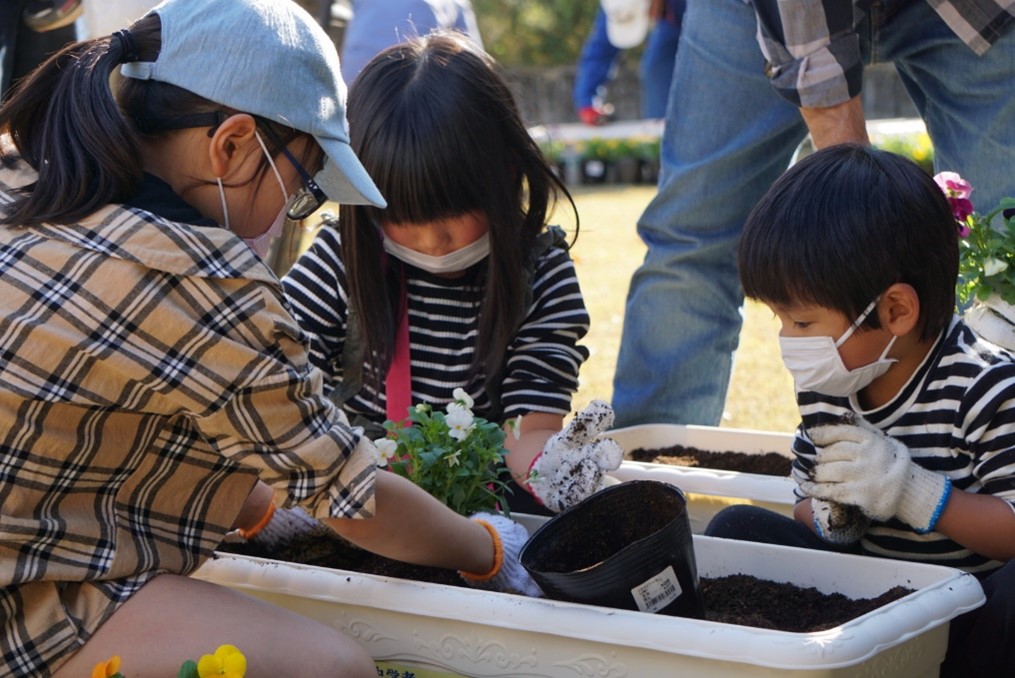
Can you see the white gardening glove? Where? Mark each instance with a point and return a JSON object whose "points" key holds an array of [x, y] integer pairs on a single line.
{"points": [[507, 573], [283, 526], [839, 524], [858, 465], [574, 462]]}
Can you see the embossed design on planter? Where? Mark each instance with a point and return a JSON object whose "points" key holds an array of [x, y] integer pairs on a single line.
{"points": [[594, 666], [475, 651], [361, 630]]}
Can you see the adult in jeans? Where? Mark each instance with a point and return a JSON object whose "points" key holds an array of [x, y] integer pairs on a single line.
{"points": [[599, 55], [737, 113]]}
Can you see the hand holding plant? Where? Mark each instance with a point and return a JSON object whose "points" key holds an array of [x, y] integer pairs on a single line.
{"points": [[454, 455]]}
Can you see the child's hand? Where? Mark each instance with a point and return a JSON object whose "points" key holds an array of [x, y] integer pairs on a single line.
{"points": [[839, 524], [574, 462], [507, 575], [860, 466]]}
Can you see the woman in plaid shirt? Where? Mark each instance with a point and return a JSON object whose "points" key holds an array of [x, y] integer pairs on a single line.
{"points": [[151, 371]]}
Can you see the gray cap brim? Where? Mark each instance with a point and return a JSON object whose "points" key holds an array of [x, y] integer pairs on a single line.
{"points": [[343, 177]]}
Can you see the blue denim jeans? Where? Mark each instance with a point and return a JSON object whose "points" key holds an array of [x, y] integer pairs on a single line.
{"points": [[728, 136]]}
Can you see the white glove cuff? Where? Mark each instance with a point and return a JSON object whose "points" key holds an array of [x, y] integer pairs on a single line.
{"points": [[507, 574], [923, 499]]}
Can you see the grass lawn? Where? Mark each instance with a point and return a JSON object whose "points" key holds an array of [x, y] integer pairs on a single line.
{"points": [[607, 252]]}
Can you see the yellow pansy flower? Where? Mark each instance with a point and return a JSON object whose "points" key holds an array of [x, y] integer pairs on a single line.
{"points": [[227, 661]]}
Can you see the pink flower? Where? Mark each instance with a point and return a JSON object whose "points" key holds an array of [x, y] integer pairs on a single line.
{"points": [[953, 185], [957, 191]]}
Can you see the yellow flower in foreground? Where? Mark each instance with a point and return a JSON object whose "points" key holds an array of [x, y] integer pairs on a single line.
{"points": [[227, 661], [108, 668]]}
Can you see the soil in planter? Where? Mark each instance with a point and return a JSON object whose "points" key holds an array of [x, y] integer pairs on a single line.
{"points": [[736, 599], [748, 601], [766, 463]]}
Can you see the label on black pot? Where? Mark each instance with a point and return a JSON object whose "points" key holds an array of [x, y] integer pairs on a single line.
{"points": [[658, 592]]}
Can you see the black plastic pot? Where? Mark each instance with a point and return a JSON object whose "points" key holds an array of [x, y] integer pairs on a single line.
{"points": [[628, 547]]}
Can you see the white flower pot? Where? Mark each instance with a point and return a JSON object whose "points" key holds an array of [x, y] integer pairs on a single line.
{"points": [[994, 320], [709, 490], [428, 630]]}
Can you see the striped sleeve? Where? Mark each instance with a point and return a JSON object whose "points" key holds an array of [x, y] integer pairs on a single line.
{"points": [[544, 358], [315, 287]]}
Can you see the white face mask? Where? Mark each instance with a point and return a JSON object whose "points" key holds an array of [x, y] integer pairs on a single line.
{"points": [[459, 260], [816, 365], [261, 243]]}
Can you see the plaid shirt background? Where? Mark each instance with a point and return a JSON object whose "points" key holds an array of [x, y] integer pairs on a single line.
{"points": [[150, 373], [814, 53]]}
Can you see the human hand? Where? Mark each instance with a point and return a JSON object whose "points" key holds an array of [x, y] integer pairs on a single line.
{"points": [[593, 116], [839, 524], [507, 573], [574, 462], [858, 465]]}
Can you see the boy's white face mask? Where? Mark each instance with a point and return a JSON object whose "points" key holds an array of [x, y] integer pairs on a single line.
{"points": [[453, 262], [816, 365]]}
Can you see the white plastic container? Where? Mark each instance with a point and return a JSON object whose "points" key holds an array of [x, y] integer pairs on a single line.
{"points": [[428, 630], [708, 490]]}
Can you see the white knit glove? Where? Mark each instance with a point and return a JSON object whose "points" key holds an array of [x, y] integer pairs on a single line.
{"points": [[574, 462], [283, 527], [839, 524], [858, 465], [507, 573]]}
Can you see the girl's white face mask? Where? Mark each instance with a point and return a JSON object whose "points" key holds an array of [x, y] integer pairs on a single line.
{"points": [[453, 262], [261, 243], [816, 365]]}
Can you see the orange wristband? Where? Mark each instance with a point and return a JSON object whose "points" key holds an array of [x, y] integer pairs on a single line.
{"points": [[252, 532], [498, 556]]}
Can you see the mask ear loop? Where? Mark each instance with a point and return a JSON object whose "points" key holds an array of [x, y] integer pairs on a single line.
{"points": [[859, 321], [274, 169], [222, 197]]}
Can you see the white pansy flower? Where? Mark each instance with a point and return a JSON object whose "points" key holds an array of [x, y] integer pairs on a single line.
{"points": [[422, 408], [386, 448], [993, 266], [453, 459], [459, 423], [462, 397]]}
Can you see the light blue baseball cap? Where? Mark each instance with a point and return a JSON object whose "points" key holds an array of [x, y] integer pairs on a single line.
{"points": [[268, 58]]}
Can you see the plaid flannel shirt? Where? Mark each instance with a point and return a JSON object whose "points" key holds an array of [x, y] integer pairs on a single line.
{"points": [[150, 372], [813, 50]]}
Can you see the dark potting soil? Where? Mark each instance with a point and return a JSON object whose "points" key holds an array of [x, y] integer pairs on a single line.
{"points": [[765, 463], [736, 599]]}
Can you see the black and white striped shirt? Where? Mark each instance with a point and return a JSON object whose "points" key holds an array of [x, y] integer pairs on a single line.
{"points": [[542, 361], [956, 414]]}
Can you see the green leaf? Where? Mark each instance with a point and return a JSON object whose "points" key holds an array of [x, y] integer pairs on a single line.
{"points": [[188, 670]]}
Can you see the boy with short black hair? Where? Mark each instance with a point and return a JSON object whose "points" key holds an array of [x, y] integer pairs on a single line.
{"points": [[907, 443]]}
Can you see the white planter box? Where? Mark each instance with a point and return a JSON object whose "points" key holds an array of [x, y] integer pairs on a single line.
{"points": [[425, 630], [708, 490]]}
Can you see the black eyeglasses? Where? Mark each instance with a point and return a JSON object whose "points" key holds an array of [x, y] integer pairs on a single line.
{"points": [[308, 198]]}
